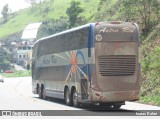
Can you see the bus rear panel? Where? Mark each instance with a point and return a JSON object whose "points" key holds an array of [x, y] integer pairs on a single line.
{"points": [[117, 67]]}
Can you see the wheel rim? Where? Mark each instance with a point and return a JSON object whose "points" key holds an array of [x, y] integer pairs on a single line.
{"points": [[44, 94], [67, 96], [40, 94], [75, 98]]}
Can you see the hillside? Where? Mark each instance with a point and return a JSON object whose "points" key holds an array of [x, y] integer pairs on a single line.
{"points": [[42, 12], [151, 67], [54, 16], [149, 24]]}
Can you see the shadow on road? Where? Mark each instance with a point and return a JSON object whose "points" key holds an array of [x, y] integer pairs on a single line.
{"points": [[87, 107]]}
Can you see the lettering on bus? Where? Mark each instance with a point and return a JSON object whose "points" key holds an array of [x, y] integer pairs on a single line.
{"points": [[50, 60], [108, 30], [127, 29], [53, 59], [46, 61], [115, 30]]}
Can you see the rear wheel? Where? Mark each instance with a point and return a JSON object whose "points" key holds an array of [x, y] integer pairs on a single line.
{"points": [[40, 93], [44, 94], [116, 107], [67, 97], [104, 106], [75, 98]]}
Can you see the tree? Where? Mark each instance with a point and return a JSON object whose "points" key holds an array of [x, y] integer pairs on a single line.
{"points": [[73, 11], [4, 60], [4, 12], [146, 12], [51, 26], [28, 66], [33, 2]]}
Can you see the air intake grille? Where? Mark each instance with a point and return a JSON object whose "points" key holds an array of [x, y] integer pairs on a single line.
{"points": [[117, 65]]}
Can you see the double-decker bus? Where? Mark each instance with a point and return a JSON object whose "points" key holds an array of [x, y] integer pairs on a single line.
{"points": [[95, 63]]}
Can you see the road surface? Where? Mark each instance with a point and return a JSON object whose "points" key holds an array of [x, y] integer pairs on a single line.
{"points": [[16, 94]]}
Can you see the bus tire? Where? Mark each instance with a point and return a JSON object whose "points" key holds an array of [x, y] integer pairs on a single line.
{"points": [[37, 89], [44, 94], [67, 97], [104, 106], [75, 98], [116, 107], [40, 92]]}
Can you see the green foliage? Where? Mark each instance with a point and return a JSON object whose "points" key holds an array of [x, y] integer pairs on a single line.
{"points": [[129, 10], [5, 13], [153, 100], [51, 27], [145, 12], [107, 9], [151, 68], [87, 0], [19, 22], [155, 63], [73, 11], [38, 13], [4, 60]]}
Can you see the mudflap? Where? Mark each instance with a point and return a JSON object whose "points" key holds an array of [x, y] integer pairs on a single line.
{"points": [[84, 88]]}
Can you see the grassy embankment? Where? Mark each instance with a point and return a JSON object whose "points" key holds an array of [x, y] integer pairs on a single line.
{"points": [[20, 20], [17, 74]]}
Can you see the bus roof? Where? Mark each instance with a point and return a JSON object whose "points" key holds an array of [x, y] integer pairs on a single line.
{"points": [[110, 23], [67, 31]]}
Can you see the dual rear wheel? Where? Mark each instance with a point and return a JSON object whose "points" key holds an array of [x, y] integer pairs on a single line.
{"points": [[42, 93], [71, 98]]}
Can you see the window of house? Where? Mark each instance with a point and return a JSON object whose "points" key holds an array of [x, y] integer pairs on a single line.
{"points": [[24, 48]]}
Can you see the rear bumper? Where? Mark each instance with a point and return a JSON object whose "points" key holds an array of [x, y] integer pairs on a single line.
{"points": [[114, 96]]}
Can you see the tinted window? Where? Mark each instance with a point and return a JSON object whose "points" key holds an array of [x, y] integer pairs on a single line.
{"points": [[64, 42]]}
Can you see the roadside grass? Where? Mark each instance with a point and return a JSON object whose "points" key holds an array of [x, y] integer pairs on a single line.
{"points": [[17, 74], [89, 6], [152, 100]]}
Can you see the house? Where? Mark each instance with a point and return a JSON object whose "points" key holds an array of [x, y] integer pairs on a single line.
{"points": [[24, 53]]}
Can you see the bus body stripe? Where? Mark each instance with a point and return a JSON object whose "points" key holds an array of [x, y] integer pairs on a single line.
{"points": [[62, 59]]}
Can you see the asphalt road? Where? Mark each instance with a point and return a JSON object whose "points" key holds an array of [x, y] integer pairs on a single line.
{"points": [[16, 94]]}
